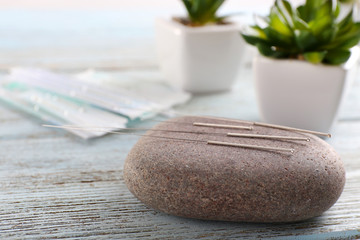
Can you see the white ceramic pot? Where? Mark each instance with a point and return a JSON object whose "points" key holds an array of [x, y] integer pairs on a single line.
{"points": [[199, 59], [300, 94]]}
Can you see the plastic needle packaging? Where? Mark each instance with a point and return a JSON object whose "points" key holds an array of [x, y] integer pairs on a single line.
{"points": [[63, 100]]}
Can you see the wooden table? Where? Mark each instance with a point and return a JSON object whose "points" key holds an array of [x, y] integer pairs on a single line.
{"points": [[54, 185]]}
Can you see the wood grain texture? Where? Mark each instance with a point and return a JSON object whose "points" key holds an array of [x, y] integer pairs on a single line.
{"points": [[54, 185]]}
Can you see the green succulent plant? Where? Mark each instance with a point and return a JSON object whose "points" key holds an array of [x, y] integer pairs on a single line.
{"points": [[347, 1], [202, 12], [311, 32]]}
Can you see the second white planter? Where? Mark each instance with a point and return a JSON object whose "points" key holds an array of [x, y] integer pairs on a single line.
{"points": [[199, 59], [300, 94]]}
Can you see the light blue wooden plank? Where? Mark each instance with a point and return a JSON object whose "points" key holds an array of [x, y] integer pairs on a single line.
{"points": [[352, 234]]}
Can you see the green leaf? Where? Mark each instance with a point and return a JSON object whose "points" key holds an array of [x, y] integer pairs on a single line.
{"points": [[300, 24], [265, 50], [188, 7], [269, 51], [254, 35], [337, 57], [346, 1], [285, 9], [314, 57], [201, 12], [346, 40], [335, 7], [319, 25], [278, 39], [196, 8], [326, 36], [337, 11], [215, 6], [348, 43], [346, 23], [307, 12], [323, 19], [253, 40], [312, 30], [301, 13], [278, 23], [254, 31], [305, 39]]}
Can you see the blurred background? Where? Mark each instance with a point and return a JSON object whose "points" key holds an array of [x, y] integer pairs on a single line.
{"points": [[101, 34]]}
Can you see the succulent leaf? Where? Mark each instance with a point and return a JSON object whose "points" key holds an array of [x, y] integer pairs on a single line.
{"points": [[346, 23], [312, 31], [336, 57], [269, 51], [315, 57], [305, 39], [276, 38], [202, 12], [286, 11], [300, 24], [278, 23]]}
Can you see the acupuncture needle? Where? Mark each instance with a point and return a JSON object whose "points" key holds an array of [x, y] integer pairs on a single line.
{"points": [[99, 129], [209, 142], [125, 130], [272, 137], [275, 126], [291, 129], [159, 111], [201, 124], [140, 129]]}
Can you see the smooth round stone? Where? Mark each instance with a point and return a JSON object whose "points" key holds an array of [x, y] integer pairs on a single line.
{"points": [[197, 180]]}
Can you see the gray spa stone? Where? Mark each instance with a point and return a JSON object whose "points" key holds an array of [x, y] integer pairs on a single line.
{"points": [[196, 180]]}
